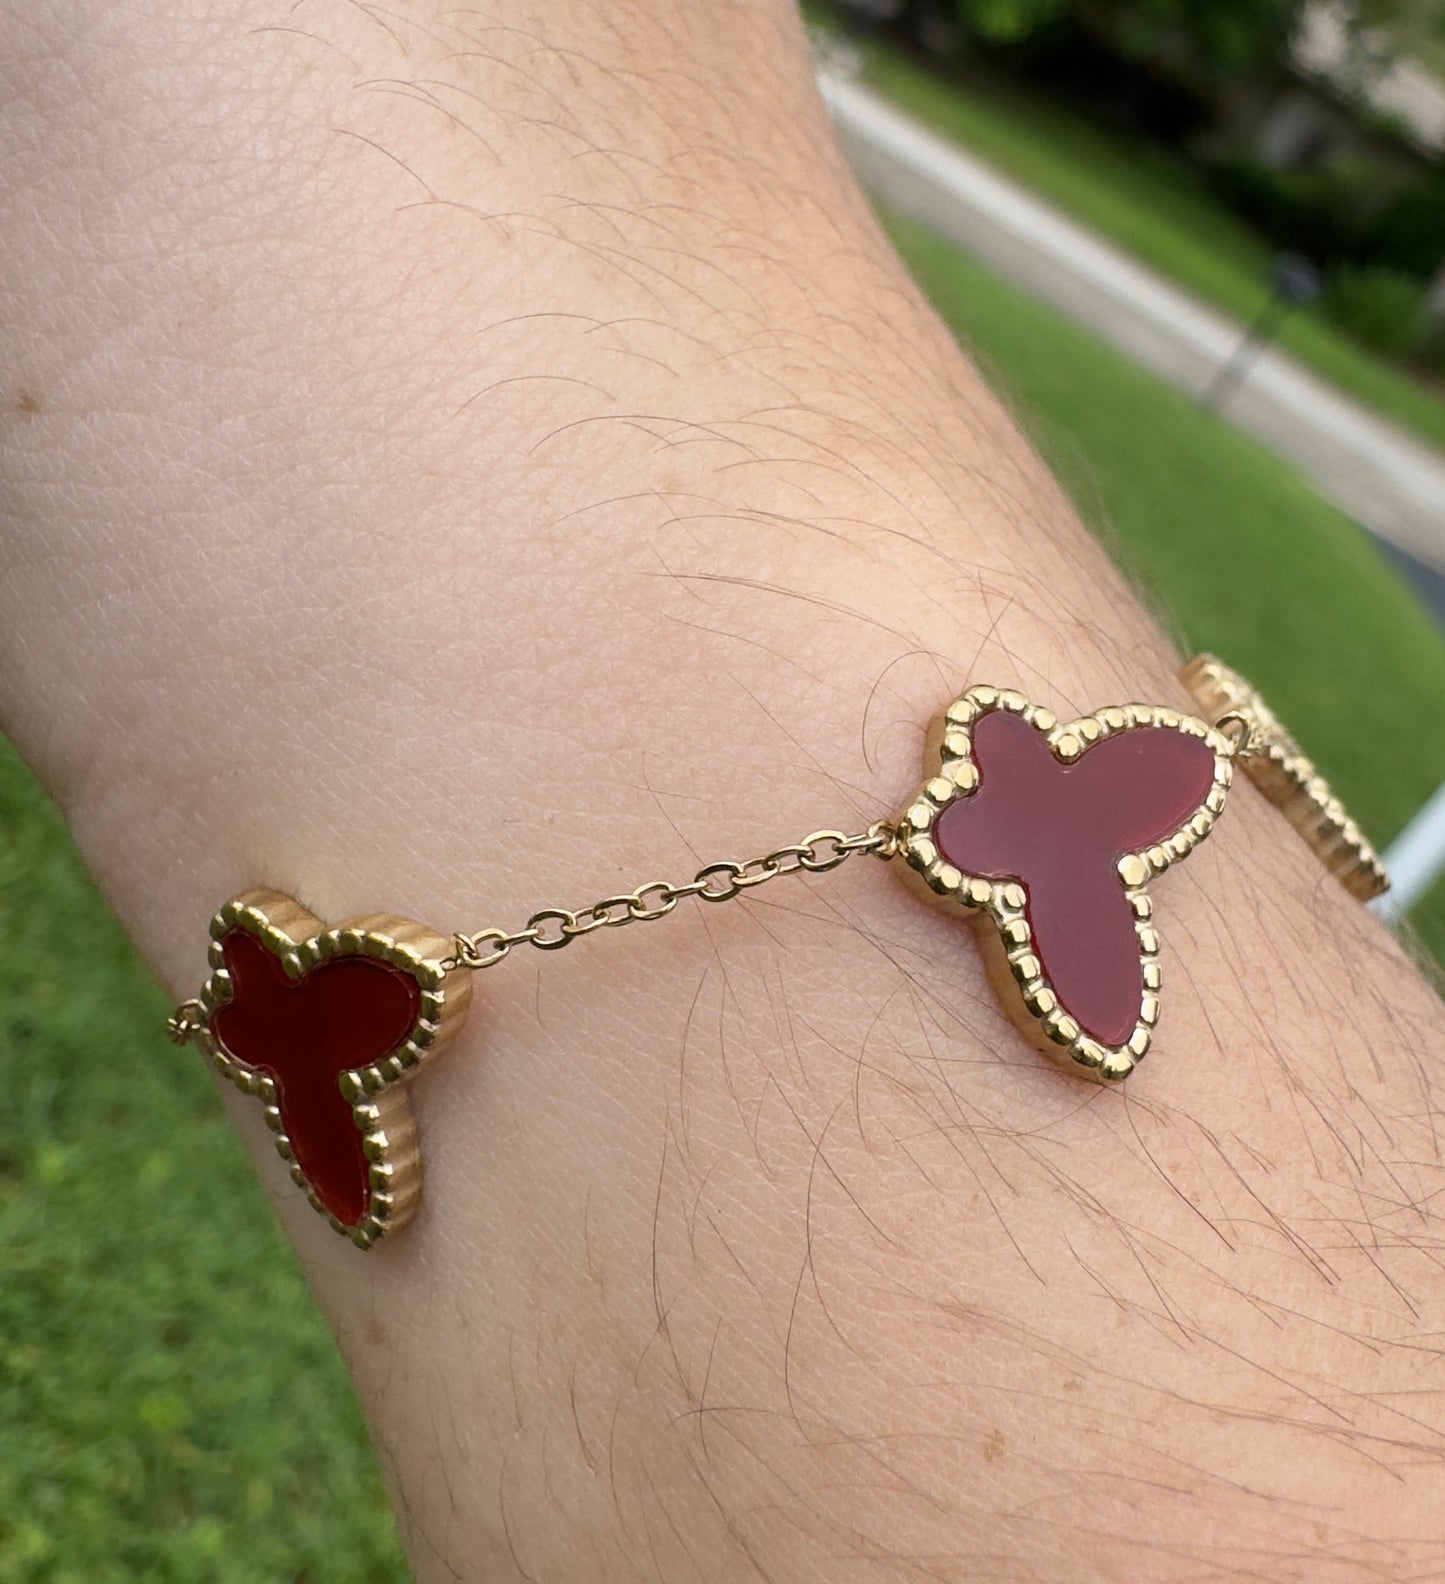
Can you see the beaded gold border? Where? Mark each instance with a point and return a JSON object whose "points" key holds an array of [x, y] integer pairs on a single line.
{"points": [[1274, 761], [999, 907], [380, 1104]]}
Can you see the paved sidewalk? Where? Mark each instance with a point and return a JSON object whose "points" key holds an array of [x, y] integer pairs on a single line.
{"points": [[1379, 475]]}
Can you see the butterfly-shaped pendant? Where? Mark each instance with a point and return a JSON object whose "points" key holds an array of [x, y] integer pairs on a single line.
{"points": [[1048, 835], [1274, 761], [322, 1025]]}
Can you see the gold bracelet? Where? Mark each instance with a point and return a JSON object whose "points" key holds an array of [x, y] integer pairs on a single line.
{"points": [[1045, 834]]}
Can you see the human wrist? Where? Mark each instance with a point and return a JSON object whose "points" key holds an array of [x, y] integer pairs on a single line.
{"points": [[758, 1231]]}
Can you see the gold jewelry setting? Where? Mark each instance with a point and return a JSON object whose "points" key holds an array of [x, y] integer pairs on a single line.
{"points": [[1131, 849], [1274, 761], [322, 1025], [1046, 835]]}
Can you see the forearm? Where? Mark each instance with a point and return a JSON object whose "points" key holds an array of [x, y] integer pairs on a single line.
{"points": [[306, 374], [466, 466]]}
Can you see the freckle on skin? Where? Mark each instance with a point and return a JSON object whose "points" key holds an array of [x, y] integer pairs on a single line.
{"points": [[27, 404], [374, 1331], [994, 1447]]}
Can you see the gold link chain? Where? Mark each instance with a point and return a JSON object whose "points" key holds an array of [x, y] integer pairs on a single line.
{"points": [[188, 1019], [550, 929]]}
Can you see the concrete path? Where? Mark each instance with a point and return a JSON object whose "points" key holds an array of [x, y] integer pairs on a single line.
{"points": [[1379, 475]]}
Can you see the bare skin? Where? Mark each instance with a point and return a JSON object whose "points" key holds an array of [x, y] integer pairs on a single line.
{"points": [[457, 460]]}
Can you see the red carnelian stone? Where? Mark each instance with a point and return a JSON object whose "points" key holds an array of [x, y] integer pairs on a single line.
{"points": [[304, 1034], [1060, 830]]}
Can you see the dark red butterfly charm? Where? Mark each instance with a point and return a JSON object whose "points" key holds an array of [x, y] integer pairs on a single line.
{"points": [[1050, 833], [321, 1024]]}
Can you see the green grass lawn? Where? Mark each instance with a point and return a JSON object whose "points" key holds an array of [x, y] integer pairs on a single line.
{"points": [[1144, 198], [171, 1408]]}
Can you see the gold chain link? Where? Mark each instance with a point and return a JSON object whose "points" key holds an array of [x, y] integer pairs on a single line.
{"points": [[1242, 729], [188, 1019], [550, 929]]}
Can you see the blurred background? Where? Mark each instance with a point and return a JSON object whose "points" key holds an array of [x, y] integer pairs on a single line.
{"points": [[1200, 246]]}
